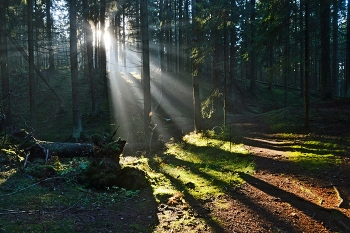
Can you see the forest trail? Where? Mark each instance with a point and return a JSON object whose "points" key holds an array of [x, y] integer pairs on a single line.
{"points": [[283, 195]]}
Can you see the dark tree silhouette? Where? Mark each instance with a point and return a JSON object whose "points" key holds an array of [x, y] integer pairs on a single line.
{"points": [[77, 127]]}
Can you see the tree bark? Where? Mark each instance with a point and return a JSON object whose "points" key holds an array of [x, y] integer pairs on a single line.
{"points": [[302, 46], [103, 67], [161, 36], [335, 64], [147, 113], [89, 53], [5, 81], [64, 149], [347, 56], [49, 34], [306, 66], [168, 36], [77, 127], [233, 49], [196, 69], [252, 58], [225, 69], [326, 86], [37, 148], [181, 40], [31, 59], [103, 147]]}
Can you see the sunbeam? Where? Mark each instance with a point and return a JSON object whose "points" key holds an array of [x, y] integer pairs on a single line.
{"points": [[169, 108]]}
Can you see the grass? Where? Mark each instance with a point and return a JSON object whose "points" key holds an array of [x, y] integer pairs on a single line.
{"points": [[313, 152], [314, 155], [204, 167]]}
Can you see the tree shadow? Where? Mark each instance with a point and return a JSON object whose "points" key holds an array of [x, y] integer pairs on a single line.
{"points": [[195, 204], [279, 145], [318, 213], [232, 192], [331, 218]]}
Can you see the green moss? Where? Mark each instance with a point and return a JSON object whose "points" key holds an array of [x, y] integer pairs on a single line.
{"points": [[203, 166]]}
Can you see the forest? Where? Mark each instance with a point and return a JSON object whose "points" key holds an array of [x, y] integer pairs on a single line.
{"points": [[174, 116]]}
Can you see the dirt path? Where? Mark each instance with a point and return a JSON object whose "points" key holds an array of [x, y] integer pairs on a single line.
{"points": [[284, 197]]}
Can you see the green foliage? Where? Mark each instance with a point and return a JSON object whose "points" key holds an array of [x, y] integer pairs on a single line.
{"points": [[208, 106], [223, 132]]}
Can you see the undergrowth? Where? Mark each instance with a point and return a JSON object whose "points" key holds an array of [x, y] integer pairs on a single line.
{"points": [[199, 167]]}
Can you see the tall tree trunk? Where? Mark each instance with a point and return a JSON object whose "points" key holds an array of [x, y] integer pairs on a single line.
{"points": [[233, 49], [5, 81], [161, 36], [31, 61], [95, 17], [181, 41], [252, 57], [286, 64], [36, 34], [117, 35], [306, 66], [335, 65], [124, 38], [217, 50], [89, 55], [302, 46], [225, 69], [187, 39], [49, 35], [147, 113], [137, 25], [103, 58], [216, 40], [77, 127], [168, 34], [347, 56], [196, 70], [326, 86], [162, 44], [175, 53]]}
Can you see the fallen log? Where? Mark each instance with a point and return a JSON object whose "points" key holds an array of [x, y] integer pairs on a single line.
{"points": [[34, 148], [67, 149], [104, 169]]}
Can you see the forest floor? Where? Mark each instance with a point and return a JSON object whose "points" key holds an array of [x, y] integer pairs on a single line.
{"points": [[284, 195]]}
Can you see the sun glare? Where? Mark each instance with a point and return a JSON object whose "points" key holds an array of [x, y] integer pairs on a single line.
{"points": [[107, 39]]}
